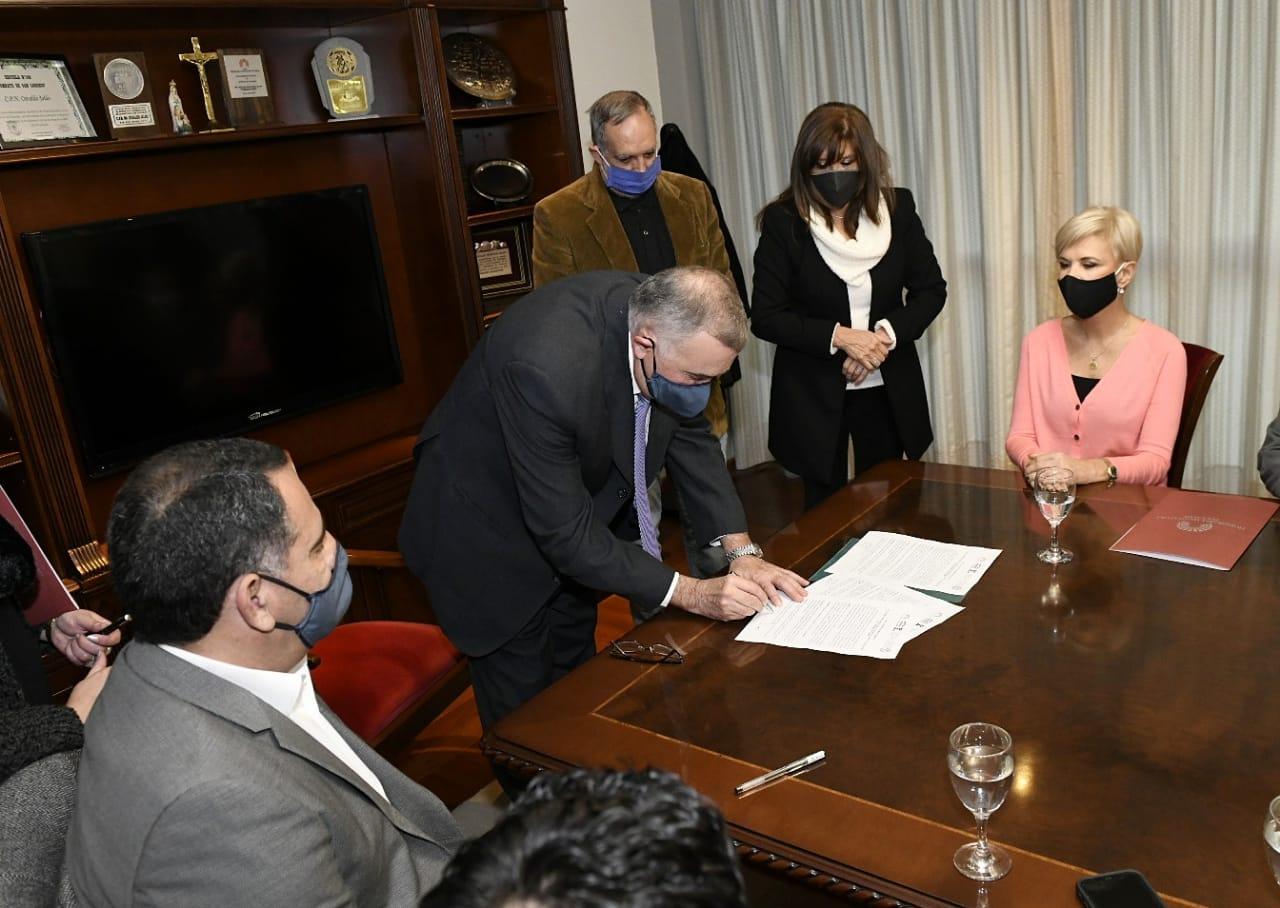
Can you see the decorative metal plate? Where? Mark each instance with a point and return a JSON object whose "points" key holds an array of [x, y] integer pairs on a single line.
{"points": [[478, 67], [502, 180]]}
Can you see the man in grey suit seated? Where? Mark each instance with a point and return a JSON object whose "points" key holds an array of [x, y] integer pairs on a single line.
{"points": [[211, 774], [1269, 458]]}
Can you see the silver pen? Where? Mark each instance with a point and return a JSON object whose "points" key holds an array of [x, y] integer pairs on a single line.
{"points": [[775, 774]]}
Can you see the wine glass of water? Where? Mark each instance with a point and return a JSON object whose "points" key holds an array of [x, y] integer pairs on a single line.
{"points": [[1055, 491], [1271, 835], [980, 757]]}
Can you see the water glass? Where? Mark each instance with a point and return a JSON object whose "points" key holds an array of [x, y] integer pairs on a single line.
{"points": [[1055, 491], [980, 757]]}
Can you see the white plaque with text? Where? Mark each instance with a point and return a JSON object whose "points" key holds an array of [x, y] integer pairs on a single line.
{"points": [[246, 76]]}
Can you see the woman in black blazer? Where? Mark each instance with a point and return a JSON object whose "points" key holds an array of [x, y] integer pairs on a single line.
{"points": [[845, 281]]}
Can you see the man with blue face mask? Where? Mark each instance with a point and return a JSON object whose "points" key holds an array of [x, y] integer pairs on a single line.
{"points": [[628, 214], [212, 774], [531, 475]]}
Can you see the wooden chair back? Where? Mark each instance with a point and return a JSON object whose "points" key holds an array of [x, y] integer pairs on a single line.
{"points": [[1202, 366]]}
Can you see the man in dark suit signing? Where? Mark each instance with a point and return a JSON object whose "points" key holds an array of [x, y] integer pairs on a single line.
{"points": [[211, 773], [523, 499]]}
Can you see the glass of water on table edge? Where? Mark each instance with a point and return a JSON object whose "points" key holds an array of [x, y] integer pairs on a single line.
{"points": [[980, 758]]}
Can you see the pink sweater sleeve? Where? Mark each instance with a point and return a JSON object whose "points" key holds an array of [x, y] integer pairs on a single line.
{"points": [[1021, 442], [1149, 464]]}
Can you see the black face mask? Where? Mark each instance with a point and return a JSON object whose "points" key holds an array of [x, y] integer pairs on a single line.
{"points": [[838, 187], [1086, 299]]}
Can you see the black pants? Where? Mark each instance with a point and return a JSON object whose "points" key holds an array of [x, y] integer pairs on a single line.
{"points": [[559, 638], [867, 420]]}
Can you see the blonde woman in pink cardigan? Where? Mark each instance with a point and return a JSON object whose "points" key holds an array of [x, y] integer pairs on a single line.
{"points": [[1099, 391]]}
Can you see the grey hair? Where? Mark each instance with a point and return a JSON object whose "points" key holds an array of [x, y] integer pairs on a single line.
{"points": [[612, 108], [186, 524], [679, 302]]}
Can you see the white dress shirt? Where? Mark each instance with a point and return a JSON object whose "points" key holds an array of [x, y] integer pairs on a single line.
{"points": [[290, 694]]}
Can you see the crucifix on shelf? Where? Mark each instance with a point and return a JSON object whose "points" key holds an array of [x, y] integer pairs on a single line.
{"points": [[198, 59]]}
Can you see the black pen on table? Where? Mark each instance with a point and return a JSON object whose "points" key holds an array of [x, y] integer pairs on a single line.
{"points": [[789, 770]]}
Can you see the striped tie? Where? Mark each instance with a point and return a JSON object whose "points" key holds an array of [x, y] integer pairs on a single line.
{"points": [[640, 491]]}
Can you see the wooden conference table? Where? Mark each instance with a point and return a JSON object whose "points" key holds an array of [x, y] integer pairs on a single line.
{"points": [[1140, 695]]}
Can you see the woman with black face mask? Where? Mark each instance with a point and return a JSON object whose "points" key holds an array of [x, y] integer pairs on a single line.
{"points": [[845, 282], [1099, 391]]}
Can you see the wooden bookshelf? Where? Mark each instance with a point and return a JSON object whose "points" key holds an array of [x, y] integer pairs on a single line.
{"points": [[414, 156]]}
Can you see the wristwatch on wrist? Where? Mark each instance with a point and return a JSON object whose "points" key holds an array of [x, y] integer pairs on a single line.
{"points": [[749, 549], [1112, 473]]}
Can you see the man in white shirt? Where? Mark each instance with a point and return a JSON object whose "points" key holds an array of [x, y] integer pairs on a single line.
{"points": [[211, 773]]}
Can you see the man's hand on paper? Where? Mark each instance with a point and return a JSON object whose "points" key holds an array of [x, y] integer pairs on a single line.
{"points": [[777, 582], [722, 598]]}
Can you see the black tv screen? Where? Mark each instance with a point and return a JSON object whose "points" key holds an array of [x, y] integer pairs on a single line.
{"points": [[211, 321]]}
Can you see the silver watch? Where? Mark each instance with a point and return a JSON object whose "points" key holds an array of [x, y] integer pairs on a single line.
{"points": [[749, 549]]}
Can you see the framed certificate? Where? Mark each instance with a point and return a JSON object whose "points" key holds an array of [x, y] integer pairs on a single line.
{"points": [[39, 103], [502, 259]]}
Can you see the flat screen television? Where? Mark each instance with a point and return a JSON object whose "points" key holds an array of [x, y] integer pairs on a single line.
{"points": [[211, 321]]}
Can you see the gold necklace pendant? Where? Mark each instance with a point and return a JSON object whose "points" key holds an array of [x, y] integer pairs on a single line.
{"points": [[1093, 361]]}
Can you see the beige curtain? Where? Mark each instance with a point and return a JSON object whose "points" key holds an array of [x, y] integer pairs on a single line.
{"points": [[1005, 117]]}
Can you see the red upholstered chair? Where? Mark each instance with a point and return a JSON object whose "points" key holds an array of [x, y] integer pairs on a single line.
{"points": [[1202, 366], [387, 679]]}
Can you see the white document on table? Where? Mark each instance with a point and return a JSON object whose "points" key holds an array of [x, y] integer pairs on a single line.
{"points": [[849, 615], [923, 564]]}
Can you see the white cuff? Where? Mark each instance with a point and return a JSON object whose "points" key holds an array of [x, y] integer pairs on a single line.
{"points": [[671, 591], [888, 329], [833, 338]]}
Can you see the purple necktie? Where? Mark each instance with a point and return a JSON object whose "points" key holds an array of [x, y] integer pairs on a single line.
{"points": [[640, 493]]}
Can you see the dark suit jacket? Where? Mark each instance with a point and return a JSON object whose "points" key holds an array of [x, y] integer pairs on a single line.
{"points": [[524, 470], [194, 792], [678, 157], [796, 302], [577, 229]]}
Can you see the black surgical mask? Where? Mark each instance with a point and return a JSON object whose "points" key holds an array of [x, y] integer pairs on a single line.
{"points": [[1086, 299], [838, 187]]}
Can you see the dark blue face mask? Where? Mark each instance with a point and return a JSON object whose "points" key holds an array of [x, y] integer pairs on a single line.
{"points": [[631, 182], [685, 401], [327, 606]]}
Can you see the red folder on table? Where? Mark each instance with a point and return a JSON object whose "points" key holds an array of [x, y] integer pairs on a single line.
{"points": [[1198, 528], [49, 598]]}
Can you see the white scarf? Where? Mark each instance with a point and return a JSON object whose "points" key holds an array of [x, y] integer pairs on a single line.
{"points": [[851, 260]]}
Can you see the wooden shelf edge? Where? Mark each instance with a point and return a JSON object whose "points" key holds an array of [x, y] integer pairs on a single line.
{"points": [[500, 215], [497, 113], [11, 156]]}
